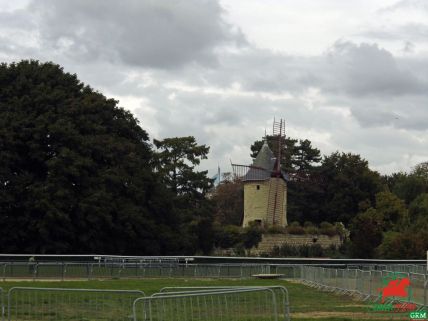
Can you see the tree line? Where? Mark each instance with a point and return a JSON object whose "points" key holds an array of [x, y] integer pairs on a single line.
{"points": [[78, 174], [387, 215]]}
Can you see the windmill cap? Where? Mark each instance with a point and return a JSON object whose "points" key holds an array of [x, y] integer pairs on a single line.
{"points": [[265, 158]]}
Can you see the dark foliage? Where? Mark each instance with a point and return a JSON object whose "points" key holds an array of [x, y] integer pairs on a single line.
{"points": [[176, 159], [76, 170]]}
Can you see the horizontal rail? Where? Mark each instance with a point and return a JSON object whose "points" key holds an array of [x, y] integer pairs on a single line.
{"points": [[205, 259]]}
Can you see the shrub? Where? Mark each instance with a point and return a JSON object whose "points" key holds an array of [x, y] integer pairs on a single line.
{"points": [[288, 250], [297, 230], [326, 225], [235, 236], [275, 229], [274, 252], [315, 250], [308, 224], [311, 230], [328, 229], [303, 250], [341, 231], [227, 236], [252, 236]]}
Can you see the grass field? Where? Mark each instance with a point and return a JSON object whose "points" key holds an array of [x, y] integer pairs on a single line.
{"points": [[305, 303]]}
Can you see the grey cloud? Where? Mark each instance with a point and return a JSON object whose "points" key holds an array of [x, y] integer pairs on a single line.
{"points": [[159, 34], [346, 69], [415, 32], [227, 123], [402, 29], [404, 4], [206, 116], [17, 19], [409, 113], [339, 100], [370, 81], [366, 69]]}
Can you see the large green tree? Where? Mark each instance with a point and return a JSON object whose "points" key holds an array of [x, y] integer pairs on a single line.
{"points": [[296, 155], [408, 186], [418, 209], [229, 202], [346, 182], [176, 161], [366, 233], [76, 170], [392, 210]]}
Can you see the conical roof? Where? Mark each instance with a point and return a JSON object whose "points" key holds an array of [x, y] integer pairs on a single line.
{"points": [[265, 158], [262, 166]]}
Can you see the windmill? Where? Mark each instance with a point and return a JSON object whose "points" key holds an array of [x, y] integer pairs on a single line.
{"points": [[265, 187]]}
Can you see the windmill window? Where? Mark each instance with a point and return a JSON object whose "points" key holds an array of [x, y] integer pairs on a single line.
{"points": [[258, 187]]}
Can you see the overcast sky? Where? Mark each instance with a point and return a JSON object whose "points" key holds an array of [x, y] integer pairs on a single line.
{"points": [[348, 75]]}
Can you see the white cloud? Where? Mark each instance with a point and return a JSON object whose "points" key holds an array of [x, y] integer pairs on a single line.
{"points": [[335, 70]]}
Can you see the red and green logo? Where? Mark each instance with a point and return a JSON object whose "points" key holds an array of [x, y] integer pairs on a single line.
{"points": [[396, 296]]}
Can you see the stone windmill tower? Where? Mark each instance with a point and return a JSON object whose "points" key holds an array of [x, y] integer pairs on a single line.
{"points": [[265, 186]]}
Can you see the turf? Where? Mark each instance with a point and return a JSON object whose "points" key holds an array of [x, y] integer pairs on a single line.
{"points": [[306, 303]]}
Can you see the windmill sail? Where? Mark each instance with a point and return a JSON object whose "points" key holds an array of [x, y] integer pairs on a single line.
{"points": [[276, 189]]}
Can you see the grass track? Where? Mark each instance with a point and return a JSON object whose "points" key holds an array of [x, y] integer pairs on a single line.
{"points": [[306, 303]]}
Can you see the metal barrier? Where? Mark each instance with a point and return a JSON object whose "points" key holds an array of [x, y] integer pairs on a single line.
{"points": [[56, 304], [73, 270], [281, 293], [198, 303], [2, 303], [154, 269], [366, 284], [222, 304]]}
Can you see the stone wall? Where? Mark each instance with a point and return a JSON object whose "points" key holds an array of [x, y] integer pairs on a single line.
{"points": [[269, 241]]}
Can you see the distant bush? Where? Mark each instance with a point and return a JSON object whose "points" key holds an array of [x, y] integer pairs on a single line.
{"points": [[327, 228], [326, 225], [287, 250], [237, 237], [296, 230], [227, 236], [251, 236], [294, 224], [315, 250], [275, 229], [308, 224], [311, 230]]}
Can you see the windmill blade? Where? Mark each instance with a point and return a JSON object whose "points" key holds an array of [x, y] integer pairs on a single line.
{"points": [[278, 132]]}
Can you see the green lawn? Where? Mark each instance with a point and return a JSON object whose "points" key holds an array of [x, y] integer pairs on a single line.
{"points": [[306, 303]]}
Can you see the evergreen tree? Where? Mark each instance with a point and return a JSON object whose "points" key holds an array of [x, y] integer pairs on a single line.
{"points": [[366, 234], [76, 172], [229, 202], [346, 182], [176, 162]]}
